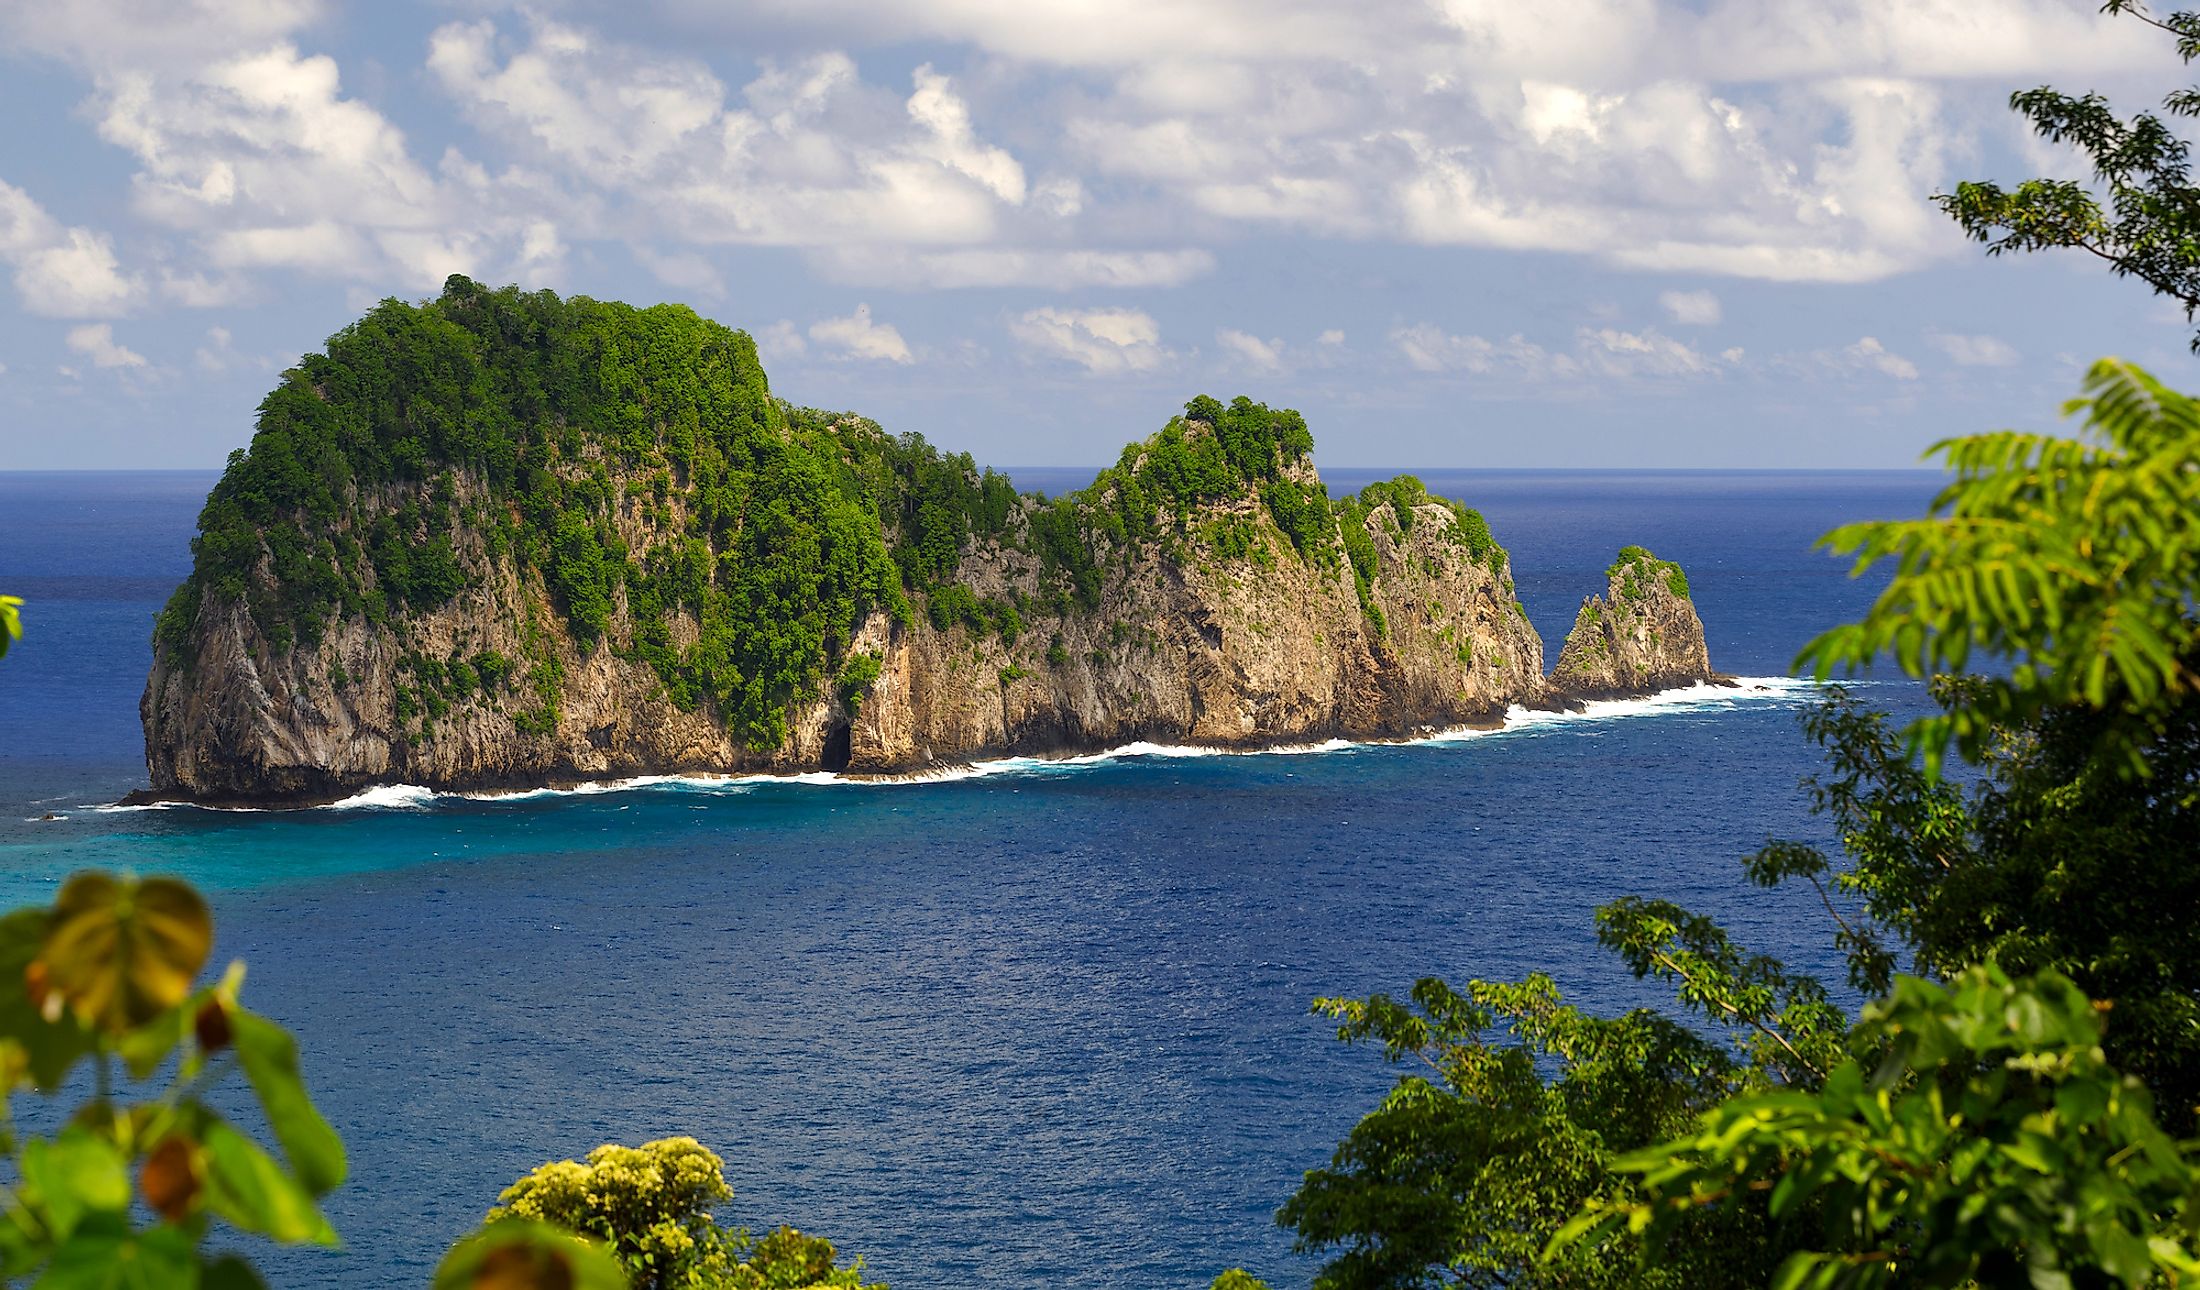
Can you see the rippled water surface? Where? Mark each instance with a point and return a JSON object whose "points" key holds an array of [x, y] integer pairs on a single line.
{"points": [[1041, 1025]]}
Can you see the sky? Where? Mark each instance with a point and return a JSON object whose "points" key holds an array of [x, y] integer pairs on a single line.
{"points": [[1454, 233]]}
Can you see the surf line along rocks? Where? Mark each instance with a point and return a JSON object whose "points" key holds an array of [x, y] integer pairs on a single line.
{"points": [[502, 540]]}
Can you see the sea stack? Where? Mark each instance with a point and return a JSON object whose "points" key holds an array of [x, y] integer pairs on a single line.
{"points": [[504, 540], [1642, 636]]}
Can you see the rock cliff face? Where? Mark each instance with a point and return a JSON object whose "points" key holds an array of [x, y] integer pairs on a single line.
{"points": [[1180, 645], [1640, 637], [394, 587]]}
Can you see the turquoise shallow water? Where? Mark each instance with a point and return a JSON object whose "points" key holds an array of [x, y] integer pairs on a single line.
{"points": [[1042, 1025]]}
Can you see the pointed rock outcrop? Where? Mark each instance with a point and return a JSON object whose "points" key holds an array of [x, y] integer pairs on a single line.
{"points": [[1641, 637]]}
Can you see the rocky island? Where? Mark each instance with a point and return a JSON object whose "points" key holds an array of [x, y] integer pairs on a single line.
{"points": [[506, 540]]}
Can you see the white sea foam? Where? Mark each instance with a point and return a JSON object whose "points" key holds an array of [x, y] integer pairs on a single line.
{"points": [[389, 797], [1746, 691]]}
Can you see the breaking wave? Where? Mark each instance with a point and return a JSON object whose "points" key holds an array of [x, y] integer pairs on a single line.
{"points": [[1746, 691]]}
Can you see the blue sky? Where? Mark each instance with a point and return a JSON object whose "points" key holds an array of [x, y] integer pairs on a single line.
{"points": [[1610, 233]]}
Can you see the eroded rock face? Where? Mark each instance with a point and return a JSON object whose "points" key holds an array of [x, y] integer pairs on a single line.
{"points": [[1183, 645], [501, 540], [1640, 637]]}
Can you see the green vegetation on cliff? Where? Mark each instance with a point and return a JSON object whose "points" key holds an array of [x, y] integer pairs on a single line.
{"points": [[632, 468], [494, 421], [1635, 566]]}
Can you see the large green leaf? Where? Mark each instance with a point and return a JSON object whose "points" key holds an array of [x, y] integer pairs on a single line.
{"points": [[75, 1174], [270, 1060], [159, 1259], [121, 951], [251, 1189], [51, 1047], [519, 1254]]}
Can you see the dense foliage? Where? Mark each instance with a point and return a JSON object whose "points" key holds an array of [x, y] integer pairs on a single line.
{"points": [[648, 1209], [127, 1191], [1213, 456], [1989, 1142], [1636, 567], [2067, 556], [1473, 1164], [2002, 1125], [658, 502], [2142, 212], [386, 470]]}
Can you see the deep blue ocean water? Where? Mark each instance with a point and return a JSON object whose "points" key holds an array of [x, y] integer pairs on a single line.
{"points": [[1046, 1025]]}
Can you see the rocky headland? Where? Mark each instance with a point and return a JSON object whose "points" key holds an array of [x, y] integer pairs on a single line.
{"points": [[505, 540]]}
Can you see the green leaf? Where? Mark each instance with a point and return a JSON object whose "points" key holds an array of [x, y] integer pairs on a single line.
{"points": [[52, 1047], [145, 1048], [122, 951], [76, 1174], [270, 1060], [252, 1190], [161, 1258]]}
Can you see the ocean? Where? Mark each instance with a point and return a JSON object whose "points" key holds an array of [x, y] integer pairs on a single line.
{"points": [[1032, 1023]]}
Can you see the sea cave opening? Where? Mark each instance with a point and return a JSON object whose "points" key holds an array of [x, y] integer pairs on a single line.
{"points": [[837, 745]]}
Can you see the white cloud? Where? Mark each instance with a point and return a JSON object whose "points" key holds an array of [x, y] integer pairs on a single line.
{"points": [[781, 339], [1691, 308], [684, 270], [1866, 355], [1261, 355], [815, 159], [75, 278], [1975, 351], [1061, 270], [215, 355], [96, 341], [61, 272], [101, 34], [1596, 352], [266, 163], [858, 337], [953, 141], [1868, 352], [1331, 337], [1643, 353], [1627, 130], [1428, 348], [198, 291], [1102, 341]]}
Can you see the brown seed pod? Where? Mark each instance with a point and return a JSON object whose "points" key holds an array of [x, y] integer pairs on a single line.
{"points": [[211, 1025], [169, 1179]]}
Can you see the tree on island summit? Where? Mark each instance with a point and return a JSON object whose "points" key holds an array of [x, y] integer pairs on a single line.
{"points": [[2008, 1107]]}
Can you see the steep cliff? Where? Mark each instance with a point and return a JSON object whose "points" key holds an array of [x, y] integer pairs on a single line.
{"points": [[503, 539], [1641, 636]]}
